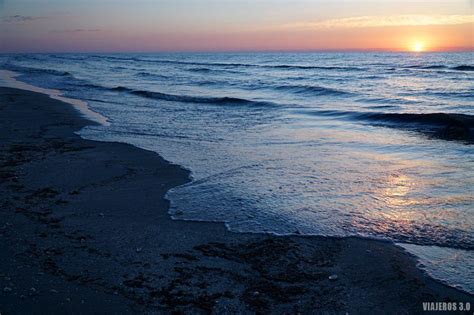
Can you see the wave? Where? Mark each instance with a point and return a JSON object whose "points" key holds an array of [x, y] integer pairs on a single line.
{"points": [[144, 74], [28, 70], [121, 89], [439, 119], [206, 70], [236, 65], [446, 126], [387, 100], [427, 67], [194, 99], [384, 107], [464, 68], [312, 90], [307, 90], [434, 67], [202, 70], [312, 67], [169, 61], [456, 94], [69, 57], [439, 125]]}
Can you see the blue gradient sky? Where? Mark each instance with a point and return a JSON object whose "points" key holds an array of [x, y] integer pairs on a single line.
{"points": [[192, 25]]}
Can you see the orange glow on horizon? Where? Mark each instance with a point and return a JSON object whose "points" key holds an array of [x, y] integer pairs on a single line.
{"points": [[366, 33]]}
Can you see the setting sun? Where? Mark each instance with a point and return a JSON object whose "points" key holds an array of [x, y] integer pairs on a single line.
{"points": [[418, 47]]}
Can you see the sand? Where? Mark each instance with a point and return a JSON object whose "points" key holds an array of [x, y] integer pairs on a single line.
{"points": [[84, 228]]}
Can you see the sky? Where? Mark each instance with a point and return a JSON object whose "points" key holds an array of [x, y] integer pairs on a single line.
{"points": [[235, 25]]}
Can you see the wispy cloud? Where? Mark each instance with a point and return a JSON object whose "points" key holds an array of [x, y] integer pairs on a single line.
{"points": [[382, 21], [22, 18], [77, 30]]}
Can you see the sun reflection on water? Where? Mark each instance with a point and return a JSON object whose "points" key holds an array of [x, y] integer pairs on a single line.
{"points": [[398, 187]]}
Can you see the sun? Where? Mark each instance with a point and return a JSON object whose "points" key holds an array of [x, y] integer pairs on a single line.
{"points": [[418, 47]]}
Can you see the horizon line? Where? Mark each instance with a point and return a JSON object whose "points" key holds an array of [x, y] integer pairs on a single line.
{"points": [[348, 50]]}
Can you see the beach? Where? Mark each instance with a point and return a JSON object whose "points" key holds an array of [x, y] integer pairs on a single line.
{"points": [[85, 228]]}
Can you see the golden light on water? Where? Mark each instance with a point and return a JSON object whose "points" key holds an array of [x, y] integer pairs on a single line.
{"points": [[398, 187]]}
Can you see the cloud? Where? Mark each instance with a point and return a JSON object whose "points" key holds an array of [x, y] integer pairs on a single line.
{"points": [[382, 21], [22, 18], [77, 30]]}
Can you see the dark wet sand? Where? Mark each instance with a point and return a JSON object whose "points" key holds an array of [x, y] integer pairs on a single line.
{"points": [[84, 228]]}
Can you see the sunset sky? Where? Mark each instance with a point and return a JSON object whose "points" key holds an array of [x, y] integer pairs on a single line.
{"points": [[235, 25]]}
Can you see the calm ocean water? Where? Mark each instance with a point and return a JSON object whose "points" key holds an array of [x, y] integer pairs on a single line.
{"points": [[375, 145]]}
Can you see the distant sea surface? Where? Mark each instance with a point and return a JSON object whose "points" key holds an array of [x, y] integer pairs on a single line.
{"points": [[377, 145]]}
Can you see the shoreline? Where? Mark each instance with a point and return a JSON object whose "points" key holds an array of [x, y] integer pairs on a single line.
{"points": [[9, 77], [93, 217]]}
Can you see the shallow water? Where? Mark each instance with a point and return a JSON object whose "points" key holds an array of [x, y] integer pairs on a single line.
{"points": [[376, 145]]}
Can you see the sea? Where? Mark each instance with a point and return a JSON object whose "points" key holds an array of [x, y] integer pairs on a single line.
{"points": [[373, 145]]}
